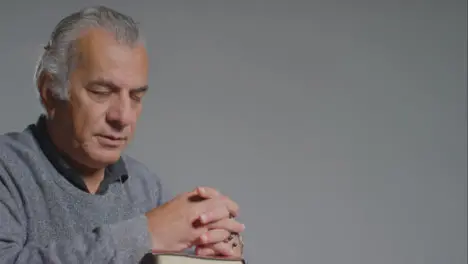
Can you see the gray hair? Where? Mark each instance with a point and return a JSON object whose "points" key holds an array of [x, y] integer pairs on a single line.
{"points": [[58, 57]]}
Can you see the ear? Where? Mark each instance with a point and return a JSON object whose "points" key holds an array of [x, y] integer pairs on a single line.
{"points": [[48, 100]]}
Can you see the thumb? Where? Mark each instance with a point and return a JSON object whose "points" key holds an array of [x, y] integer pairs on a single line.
{"points": [[207, 192]]}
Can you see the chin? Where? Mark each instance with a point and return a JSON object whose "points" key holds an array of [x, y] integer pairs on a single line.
{"points": [[104, 157]]}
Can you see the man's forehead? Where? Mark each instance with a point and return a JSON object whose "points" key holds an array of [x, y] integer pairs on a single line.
{"points": [[101, 55], [99, 43]]}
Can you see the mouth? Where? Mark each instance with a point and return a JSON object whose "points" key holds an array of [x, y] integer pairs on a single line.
{"points": [[111, 141]]}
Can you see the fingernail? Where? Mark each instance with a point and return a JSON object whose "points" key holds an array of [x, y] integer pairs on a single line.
{"points": [[204, 238], [243, 226]]}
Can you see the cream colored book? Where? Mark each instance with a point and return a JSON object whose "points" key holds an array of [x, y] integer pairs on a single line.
{"points": [[176, 258]]}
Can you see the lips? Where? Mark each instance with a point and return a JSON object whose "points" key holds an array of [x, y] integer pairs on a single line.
{"points": [[111, 137], [111, 140]]}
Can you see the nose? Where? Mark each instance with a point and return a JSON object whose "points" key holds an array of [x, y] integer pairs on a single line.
{"points": [[120, 113]]}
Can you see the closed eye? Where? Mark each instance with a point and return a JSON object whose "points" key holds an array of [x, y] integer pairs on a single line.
{"points": [[137, 94], [99, 92], [101, 87]]}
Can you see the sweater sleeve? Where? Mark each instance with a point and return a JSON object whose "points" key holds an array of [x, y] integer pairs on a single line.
{"points": [[122, 242]]}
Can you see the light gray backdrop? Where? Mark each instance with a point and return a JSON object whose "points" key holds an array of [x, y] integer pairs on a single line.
{"points": [[338, 126]]}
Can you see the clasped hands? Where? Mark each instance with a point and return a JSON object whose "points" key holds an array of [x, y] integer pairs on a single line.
{"points": [[203, 218]]}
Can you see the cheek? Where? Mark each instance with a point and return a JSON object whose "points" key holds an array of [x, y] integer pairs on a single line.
{"points": [[86, 124], [88, 120]]}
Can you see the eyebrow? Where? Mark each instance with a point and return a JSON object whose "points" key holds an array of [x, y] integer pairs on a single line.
{"points": [[113, 86]]}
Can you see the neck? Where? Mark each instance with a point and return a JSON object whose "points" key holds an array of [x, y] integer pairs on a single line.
{"points": [[91, 176]]}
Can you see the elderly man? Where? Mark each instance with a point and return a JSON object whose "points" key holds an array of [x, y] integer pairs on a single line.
{"points": [[67, 193]]}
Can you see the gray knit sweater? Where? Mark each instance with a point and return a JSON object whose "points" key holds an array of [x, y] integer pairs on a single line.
{"points": [[46, 219]]}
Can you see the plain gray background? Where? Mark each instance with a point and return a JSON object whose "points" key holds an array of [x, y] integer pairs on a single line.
{"points": [[338, 126]]}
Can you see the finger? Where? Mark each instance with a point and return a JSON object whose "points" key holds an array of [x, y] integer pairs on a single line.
{"points": [[220, 201], [213, 236], [232, 206], [205, 251], [207, 192], [193, 196], [202, 193], [228, 224], [216, 214]]}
